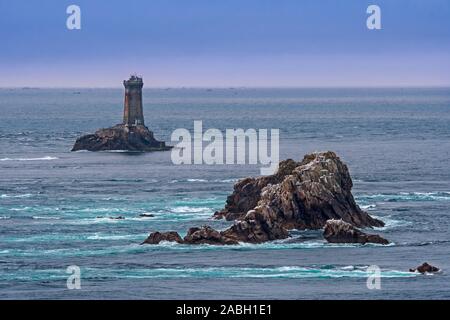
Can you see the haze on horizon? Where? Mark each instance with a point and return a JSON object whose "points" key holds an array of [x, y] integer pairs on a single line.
{"points": [[212, 43]]}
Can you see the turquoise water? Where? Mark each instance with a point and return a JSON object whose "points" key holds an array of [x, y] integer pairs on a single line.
{"points": [[57, 207], [323, 272]]}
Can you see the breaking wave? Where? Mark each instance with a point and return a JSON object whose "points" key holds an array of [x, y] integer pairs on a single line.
{"points": [[30, 159], [286, 272], [25, 195], [390, 223], [45, 218]]}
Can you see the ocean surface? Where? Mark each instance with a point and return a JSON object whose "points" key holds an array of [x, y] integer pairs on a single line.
{"points": [[56, 206]]}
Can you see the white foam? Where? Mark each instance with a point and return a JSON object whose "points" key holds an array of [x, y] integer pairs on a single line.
{"points": [[99, 236], [348, 268], [45, 218], [184, 209], [390, 223], [368, 207], [226, 180], [26, 195]]}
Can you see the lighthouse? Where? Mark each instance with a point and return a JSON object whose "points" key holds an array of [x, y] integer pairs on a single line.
{"points": [[131, 134], [133, 114]]}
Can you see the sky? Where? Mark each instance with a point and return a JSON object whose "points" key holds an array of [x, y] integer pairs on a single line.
{"points": [[217, 43]]}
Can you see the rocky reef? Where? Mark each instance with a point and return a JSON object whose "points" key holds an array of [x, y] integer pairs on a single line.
{"points": [[157, 237], [120, 137], [338, 231], [301, 195]]}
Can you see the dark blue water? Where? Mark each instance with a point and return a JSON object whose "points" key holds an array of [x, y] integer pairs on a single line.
{"points": [[55, 206]]}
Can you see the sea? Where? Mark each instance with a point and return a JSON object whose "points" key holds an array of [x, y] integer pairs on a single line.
{"points": [[58, 208]]}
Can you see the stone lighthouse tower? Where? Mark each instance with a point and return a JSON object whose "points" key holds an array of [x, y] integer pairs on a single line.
{"points": [[133, 114]]}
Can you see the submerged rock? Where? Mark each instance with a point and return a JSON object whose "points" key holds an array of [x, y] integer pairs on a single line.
{"points": [[157, 237], [425, 268], [207, 235], [338, 231], [112, 218], [120, 137], [301, 195], [146, 215]]}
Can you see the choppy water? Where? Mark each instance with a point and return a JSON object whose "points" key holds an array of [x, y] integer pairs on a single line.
{"points": [[55, 206]]}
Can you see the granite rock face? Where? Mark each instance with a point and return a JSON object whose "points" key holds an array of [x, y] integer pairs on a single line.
{"points": [[301, 195], [157, 237], [247, 192], [120, 137], [338, 231], [201, 235]]}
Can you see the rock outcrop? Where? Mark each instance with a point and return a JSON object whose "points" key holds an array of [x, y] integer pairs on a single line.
{"points": [[157, 237], [301, 195], [207, 235], [120, 137], [201, 235], [338, 231], [425, 268]]}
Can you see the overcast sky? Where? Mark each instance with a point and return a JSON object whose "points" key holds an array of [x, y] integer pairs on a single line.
{"points": [[215, 43]]}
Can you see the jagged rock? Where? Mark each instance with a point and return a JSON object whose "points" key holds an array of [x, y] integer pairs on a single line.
{"points": [[425, 268], [120, 137], [338, 231], [208, 235], [247, 192], [157, 237], [302, 195], [257, 227], [202, 235]]}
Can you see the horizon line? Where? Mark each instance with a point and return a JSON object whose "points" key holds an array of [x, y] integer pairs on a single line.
{"points": [[443, 86]]}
